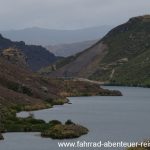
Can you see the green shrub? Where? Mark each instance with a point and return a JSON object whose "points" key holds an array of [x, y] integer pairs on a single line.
{"points": [[54, 122], [68, 122]]}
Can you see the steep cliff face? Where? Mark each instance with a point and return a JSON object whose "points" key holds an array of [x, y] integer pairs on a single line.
{"points": [[37, 56]]}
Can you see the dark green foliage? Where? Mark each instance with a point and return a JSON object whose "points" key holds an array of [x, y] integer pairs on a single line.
{"points": [[68, 122], [25, 90], [17, 87], [1, 136], [135, 73], [54, 122], [13, 124]]}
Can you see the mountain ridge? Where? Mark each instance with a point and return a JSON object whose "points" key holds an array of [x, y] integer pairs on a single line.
{"points": [[44, 37]]}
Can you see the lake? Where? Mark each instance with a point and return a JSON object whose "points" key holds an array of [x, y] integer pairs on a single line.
{"points": [[125, 118]]}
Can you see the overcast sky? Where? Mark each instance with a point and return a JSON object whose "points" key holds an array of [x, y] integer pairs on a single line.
{"points": [[68, 14]]}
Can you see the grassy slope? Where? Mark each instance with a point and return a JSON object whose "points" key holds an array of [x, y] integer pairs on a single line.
{"points": [[128, 40], [131, 41], [136, 72]]}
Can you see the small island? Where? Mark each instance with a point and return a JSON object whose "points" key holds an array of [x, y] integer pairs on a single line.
{"points": [[68, 130], [53, 129]]}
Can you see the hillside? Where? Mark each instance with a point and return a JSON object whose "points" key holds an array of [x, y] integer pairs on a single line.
{"points": [[66, 50], [44, 37], [37, 56], [121, 57], [20, 85], [128, 57], [21, 89]]}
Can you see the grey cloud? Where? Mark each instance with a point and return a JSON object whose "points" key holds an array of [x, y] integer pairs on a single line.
{"points": [[68, 13]]}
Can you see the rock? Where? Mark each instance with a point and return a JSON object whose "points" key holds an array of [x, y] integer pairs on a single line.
{"points": [[15, 56], [69, 103], [123, 60], [44, 89]]}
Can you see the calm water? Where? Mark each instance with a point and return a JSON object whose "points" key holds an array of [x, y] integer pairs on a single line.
{"points": [[125, 118]]}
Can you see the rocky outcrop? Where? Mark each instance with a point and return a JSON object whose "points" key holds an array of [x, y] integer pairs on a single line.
{"points": [[15, 56]]}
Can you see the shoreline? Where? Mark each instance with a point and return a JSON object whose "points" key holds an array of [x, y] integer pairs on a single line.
{"points": [[14, 124], [107, 83], [124, 85]]}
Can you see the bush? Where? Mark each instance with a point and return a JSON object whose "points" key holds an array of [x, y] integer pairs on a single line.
{"points": [[68, 122], [54, 122]]}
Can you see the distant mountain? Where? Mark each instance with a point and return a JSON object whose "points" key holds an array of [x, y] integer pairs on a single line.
{"points": [[121, 57], [66, 50], [41, 36], [36, 56]]}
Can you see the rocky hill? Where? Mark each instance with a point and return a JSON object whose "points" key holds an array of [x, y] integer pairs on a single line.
{"points": [[36, 56], [121, 57], [15, 56]]}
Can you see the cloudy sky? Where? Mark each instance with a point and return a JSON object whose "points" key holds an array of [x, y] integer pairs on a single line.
{"points": [[68, 14]]}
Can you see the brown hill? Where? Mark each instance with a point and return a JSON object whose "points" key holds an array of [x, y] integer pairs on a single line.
{"points": [[19, 86]]}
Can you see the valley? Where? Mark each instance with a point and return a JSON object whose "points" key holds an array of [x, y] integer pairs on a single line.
{"points": [[36, 82]]}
